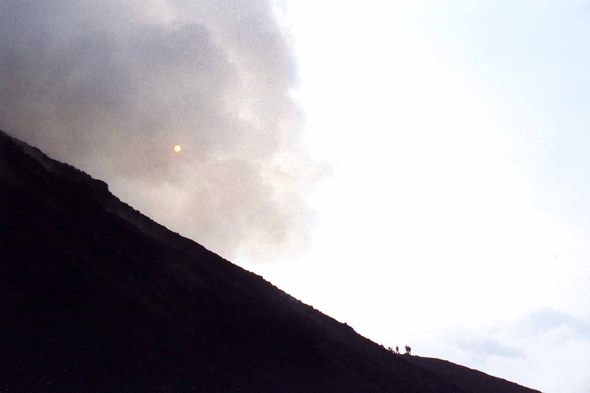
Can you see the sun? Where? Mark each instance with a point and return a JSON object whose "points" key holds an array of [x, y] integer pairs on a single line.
{"points": [[177, 148]]}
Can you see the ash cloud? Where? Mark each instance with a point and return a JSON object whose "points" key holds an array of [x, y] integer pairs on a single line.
{"points": [[111, 86]]}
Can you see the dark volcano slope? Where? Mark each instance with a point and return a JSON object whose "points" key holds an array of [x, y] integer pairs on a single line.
{"points": [[95, 297], [468, 380]]}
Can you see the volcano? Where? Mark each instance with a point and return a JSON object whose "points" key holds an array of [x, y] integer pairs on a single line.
{"points": [[96, 297]]}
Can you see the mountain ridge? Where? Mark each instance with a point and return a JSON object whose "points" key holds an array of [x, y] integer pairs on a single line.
{"points": [[100, 297]]}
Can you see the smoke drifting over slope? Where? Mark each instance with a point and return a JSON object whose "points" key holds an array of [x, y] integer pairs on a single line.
{"points": [[111, 87]]}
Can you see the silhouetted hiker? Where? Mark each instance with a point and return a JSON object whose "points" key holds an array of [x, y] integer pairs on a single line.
{"points": [[408, 350], [397, 349]]}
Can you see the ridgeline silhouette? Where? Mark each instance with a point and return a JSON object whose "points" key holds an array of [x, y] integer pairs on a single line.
{"points": [[99, 298]]}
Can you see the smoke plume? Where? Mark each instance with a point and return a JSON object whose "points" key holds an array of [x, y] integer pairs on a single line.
{"points": [[112, 86]]}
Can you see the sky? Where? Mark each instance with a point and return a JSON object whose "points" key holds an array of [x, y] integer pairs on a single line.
{"points": [[414, 169]]}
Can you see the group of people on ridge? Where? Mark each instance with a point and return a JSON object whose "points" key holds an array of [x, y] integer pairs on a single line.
{"points": [[408, 350]]}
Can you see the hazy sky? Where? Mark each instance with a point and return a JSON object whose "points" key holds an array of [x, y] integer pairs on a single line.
{"points": [[417, 170]]}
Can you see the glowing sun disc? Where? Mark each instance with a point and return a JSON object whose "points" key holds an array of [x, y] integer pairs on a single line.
{"points": [[177, 148]]}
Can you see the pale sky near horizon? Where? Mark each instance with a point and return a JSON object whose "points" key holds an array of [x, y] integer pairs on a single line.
{"points": [[418, 170], [457, 214]]}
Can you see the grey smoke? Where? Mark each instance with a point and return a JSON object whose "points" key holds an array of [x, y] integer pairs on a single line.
{"points": [[111, 86]]}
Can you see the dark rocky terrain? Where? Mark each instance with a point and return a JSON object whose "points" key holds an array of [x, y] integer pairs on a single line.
{"points": [[95, 297]]}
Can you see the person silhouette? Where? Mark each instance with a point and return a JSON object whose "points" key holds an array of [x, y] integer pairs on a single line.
{"points": [[408, 350], [397, 349]]}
